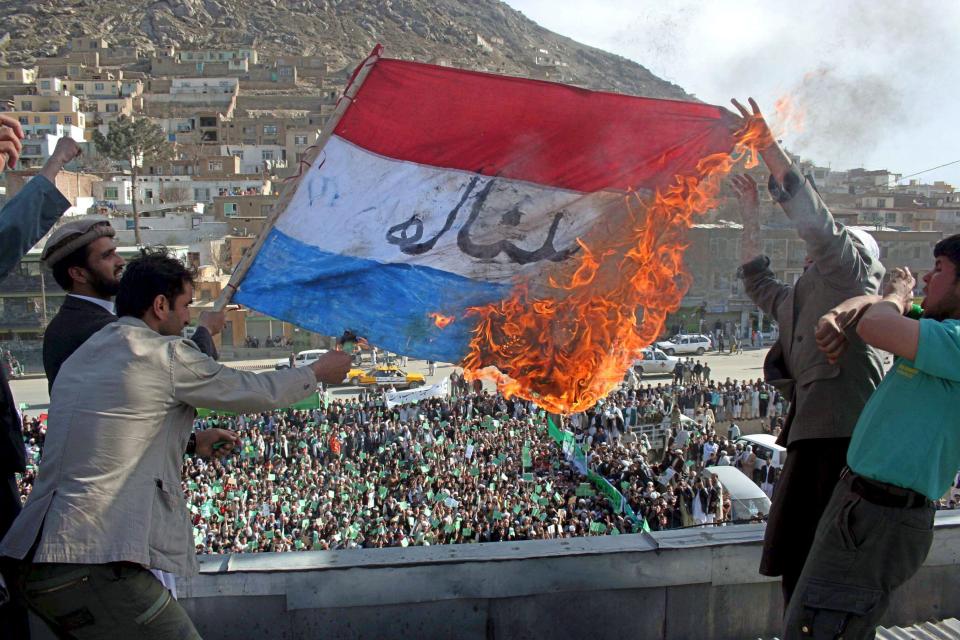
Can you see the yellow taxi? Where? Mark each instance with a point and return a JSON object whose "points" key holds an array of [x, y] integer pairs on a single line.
{"points": [[387, 375], [353, 376]]}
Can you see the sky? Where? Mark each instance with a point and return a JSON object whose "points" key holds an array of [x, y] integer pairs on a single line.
{"points": [[873, 83]]}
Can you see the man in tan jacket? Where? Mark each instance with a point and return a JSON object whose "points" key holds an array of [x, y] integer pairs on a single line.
{"points": [[107, 504]]}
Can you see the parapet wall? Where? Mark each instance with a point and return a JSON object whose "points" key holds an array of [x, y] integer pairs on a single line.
{"points": [[679, 584]]}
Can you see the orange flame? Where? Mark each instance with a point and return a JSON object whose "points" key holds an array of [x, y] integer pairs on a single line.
{"points": [[441, 320], [566, 343], [790, 116]]}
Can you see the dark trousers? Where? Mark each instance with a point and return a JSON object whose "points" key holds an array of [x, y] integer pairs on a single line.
{"points": [[806, 483], [861, 553], [13, 615]]}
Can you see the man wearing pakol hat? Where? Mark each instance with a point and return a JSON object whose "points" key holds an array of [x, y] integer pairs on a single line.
{"points": [[23, 221], [826, 398], [82, 255]]}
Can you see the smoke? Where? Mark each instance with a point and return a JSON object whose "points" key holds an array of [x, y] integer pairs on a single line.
{"points": [[864, 75], [828, 116]]}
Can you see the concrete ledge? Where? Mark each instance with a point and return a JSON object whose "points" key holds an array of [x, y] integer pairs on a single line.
{"points": [[694, 583]]}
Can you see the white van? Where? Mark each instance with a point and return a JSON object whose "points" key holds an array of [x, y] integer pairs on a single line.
{"points": [[303, 359], [653, 361], [747, 500], [766, 447]]}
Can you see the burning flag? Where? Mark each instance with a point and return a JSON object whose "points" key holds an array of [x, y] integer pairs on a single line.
{"points": [[549, 220]]}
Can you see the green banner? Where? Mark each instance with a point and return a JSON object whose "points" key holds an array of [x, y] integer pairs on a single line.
{"points": [[311, 402], [554, 431]]}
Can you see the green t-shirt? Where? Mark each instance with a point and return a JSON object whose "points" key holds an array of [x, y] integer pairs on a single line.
{"points": [[908, 434]]}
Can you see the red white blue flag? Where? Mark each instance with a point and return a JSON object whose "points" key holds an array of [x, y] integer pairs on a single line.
{"points": [[441, 189]]}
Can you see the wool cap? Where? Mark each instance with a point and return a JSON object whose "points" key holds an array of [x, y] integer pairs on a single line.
{"points": [[69, 237]]}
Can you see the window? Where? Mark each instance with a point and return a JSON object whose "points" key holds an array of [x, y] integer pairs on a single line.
{"points": [[881, 203], [52, 119], [31, 150], [201, 194], [98, 86], [112, 107], [28, 105], [266, 155], [44, 84], [230, 209], [215, 165], [111, 193], [265, 209], [36, 120], [269, 129], [250, 130], [299, 140]]}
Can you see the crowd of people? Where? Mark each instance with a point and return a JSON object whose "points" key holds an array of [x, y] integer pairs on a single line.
{"points": [[476, 467]]}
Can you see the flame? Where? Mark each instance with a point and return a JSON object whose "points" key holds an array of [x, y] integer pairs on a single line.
{"points": [[790, 116], [565, 344], [441, 320]]}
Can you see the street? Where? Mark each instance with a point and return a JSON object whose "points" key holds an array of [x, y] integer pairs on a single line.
{"points": [[748, 365]]}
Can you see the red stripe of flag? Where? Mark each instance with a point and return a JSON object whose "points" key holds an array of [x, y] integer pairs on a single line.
{"points": [[541, 132]]}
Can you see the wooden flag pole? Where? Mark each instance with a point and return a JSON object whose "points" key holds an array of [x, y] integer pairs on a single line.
{"points": [[291, 188]]}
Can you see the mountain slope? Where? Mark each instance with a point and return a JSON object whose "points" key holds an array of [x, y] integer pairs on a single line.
{"points": [[478, 34]]}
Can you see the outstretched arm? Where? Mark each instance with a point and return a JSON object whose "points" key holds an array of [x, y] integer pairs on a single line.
{"points": [[828, 244]]}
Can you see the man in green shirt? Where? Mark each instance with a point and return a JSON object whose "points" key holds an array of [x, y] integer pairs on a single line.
{"points": [[878, 526]]}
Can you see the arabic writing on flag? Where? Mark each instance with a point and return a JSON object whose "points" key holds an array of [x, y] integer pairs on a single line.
{"points": [[442, 191]]}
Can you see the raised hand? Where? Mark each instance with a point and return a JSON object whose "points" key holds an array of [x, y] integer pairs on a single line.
{"points": [[11, 133]]}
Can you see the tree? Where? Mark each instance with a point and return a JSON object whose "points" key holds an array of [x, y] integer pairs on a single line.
{"points": [[134, 141]]}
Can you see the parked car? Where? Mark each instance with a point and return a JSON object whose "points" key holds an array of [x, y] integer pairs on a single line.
{"points": [[653, 361], [766, 447], [387, 375], [685, 344], [302, 359], [747, 501]]}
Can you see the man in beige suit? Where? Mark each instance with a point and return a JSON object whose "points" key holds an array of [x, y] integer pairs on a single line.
{"points": [[107, 504]]}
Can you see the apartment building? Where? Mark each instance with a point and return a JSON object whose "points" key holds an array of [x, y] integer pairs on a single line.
{"points": [[18, 75], [245, 213]]}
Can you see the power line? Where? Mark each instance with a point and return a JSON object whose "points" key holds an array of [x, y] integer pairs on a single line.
{"points": [[931, 169]]}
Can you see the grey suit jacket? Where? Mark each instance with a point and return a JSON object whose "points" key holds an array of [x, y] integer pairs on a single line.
{"points": [[826, 399], [108, 487]]}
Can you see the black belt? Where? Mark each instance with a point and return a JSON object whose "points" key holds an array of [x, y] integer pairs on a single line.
{"points": [[883, 494]]}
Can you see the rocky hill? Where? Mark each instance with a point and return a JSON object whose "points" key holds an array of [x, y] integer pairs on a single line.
{"points": [[479, 34]]}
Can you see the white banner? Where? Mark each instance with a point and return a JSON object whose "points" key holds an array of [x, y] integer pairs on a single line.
{"points": [[441, 390]]}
